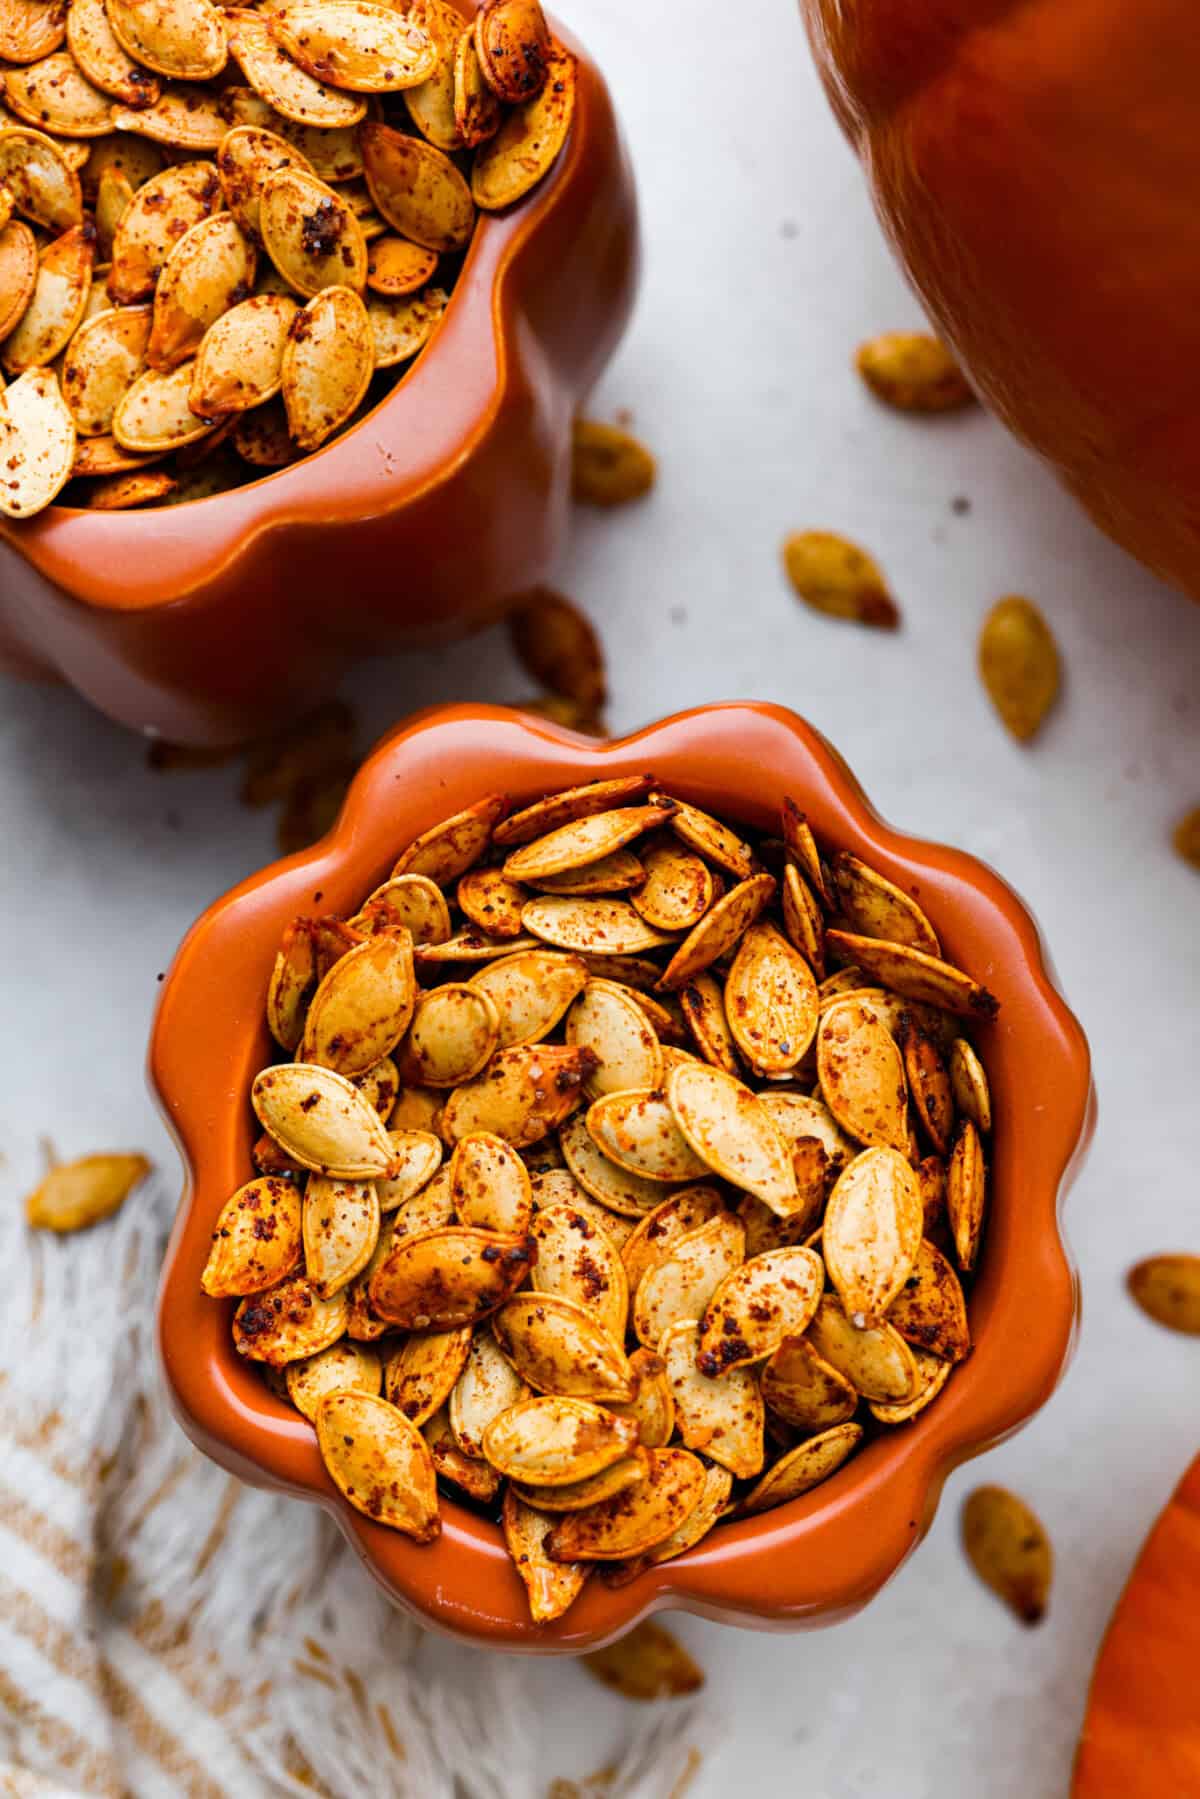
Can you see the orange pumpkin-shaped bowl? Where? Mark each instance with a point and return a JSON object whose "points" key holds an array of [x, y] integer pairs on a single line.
{"points": [[824, 1555], [210, 621]]}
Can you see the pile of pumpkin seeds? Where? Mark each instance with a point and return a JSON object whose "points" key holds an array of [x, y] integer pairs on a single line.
{"points": [[614, 1158], [224, 230]]}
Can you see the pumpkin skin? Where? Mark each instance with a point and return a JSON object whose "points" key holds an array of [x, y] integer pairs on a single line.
{"points": [[1141, 1733], [1035, 164]]}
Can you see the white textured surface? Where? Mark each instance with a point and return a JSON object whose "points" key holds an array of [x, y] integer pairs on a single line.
{"points": [[763, 269]]}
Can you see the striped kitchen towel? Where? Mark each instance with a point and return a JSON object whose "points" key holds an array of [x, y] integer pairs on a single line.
{"points": [[168, 1633]]}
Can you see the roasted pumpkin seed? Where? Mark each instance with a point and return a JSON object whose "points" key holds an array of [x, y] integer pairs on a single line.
{"points": [[529, 992], [96, 50], [1168, 1290], [257, 1240], [611, 1480], [341, 1229], [932, 1375], [721, 1417], [607, 1020], [419, 1376], [636, 1520], [75, 1195], [966, 1194], [327, 365], [556, 1441], [417, 189], [491, 1185], [207, 273], [323, 1121], [56, 308], [476, 1478], [579, 1262], [929, 1311], [44, 187], [281, 82], [448, 849], [731, 1133], [310, 232], [288, 1322], [37, 443], [30, 29], [184, 39], [443, 1278], [546, 815], [431, 105], [912, 371], [1009, 1550], [477, 113], [523, 1094], [773, 1296], [969, 1085], [876, 1361], [770, 1001], [488, 1386], [527, 145], [55, 95], [803, 1389], [1019, 665], [637, 1131], [557, 1346], [861, 1072], [835, 576], [802, 1469], [552, 1587], [352, 44], [678, 1287], [342, 1368], [872, 1233], [380, 1462], [719, 930], [18, 272]]}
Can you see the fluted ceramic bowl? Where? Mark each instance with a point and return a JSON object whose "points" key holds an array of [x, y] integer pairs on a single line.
{"points": [[822, 1556], [213, 621]]}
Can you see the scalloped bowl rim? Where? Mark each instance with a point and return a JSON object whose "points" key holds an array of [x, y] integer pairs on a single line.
{"points": [[820, 1557]]}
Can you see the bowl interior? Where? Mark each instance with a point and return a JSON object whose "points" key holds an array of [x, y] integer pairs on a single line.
{"points": [[843, 1539]]}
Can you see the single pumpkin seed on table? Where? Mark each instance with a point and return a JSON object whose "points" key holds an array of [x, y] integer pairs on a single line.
{"points": [[913, 372], [648, 1288], [75, 1195], [832, 575]]}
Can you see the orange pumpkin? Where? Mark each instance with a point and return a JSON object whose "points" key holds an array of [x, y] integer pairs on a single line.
{"points": [[1141, 1734], [1036, 165]]}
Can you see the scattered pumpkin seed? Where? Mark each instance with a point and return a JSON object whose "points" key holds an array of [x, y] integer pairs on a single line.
{"points": [[913, 372], [835, 576], [1009, 1550], [74, 1195], [1019, 665]]}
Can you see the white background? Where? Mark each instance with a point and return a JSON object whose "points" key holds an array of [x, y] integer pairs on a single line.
{"points": [[764, 268]]}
